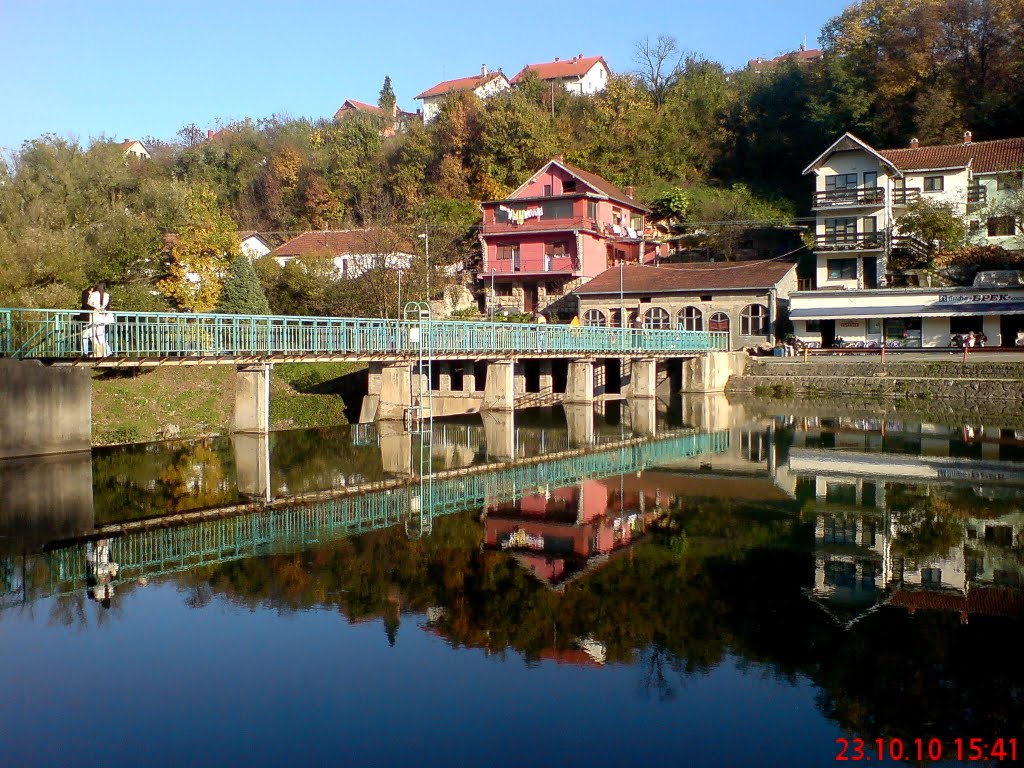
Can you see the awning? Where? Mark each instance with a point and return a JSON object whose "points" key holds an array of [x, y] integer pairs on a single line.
{"points": [[936, 310]]}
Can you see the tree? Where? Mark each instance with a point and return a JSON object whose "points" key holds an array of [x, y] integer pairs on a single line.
{"points": [[937, 225], [243, 294], [660, 65], [199, 253], [387, 100]]}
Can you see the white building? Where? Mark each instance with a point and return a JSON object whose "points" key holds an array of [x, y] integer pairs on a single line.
{"points": [[254, 245], [353, 251], [134, 148], [860, 194], [483, 86], [582, 75]]}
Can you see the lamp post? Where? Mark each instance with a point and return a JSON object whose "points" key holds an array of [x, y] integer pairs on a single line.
{"points": [[425, 237]]}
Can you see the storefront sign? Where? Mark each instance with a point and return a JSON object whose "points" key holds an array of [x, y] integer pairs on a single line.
{"points": [[849, 323], [973, 298]]}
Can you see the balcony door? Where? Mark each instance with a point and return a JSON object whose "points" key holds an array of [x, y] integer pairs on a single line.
{"points": [[529, 298], [870, 272]]}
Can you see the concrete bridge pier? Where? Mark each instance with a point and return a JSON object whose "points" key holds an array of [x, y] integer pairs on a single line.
{"points": [[643, 416], [499, 389], [500, 434], [395, 449], [45, 409], [43, 498], [579, 386], [644, 379], [252, 398], [395, 392]]}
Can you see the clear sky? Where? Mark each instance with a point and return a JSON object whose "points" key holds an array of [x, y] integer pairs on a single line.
{"points": [[132, 69]]}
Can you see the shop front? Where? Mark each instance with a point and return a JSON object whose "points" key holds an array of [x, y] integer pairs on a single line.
{"points": [[934, 317]]}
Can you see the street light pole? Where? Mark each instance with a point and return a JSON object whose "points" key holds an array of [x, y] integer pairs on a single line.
{"points": [[425, 237]]}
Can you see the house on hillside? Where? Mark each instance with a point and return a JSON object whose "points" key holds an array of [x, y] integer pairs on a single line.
{"points": [[484, 85], [353, 251], [134, 148], [560, 228], [748, 300], [859, 196], [395, 123], [254, 245], [801, 56], [582, 75]]}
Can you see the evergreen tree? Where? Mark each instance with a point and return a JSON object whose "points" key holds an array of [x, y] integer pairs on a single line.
{"points": [[387, 99], [242, 293]]}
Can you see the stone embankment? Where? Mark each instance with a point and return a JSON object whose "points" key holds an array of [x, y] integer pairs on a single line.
{"points": [[945, 379]]}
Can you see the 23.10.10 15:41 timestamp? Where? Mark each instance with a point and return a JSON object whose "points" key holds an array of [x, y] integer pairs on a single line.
{"points": [[926, 749]]}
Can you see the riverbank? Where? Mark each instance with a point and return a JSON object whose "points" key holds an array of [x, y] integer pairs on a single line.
{"points": [[170, 402], [951, 380]]}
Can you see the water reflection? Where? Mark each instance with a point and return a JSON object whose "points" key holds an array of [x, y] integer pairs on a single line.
{"points": [[879, 560]]}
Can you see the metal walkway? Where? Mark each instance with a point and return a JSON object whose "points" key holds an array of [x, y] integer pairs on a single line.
{"points": [[156, 547], [56, 335]]}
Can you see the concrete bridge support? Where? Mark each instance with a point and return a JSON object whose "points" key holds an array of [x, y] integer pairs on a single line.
{"points": [[252, 464], [579, 386], [252, 398], [396, 449], [499, 390], [499, 434], [43, 498], [711, 372], [643, 416], [45, 409], [395, 392], [644, 379], [579, 419]]}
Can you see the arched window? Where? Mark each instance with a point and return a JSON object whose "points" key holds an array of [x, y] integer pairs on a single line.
{"points": [[594, 317], [754, 320], [691, 319], [657, 318], [719, 322]]}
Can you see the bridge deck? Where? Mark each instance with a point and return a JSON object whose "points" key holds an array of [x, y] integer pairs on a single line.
{"points": [[141, 339]]}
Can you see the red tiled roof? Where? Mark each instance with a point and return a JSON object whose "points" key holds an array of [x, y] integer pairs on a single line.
{"points": [[802, 56], [983, 156], [992, 601], [340, 242], [602, 185], [360, 106], [742, 275], [558, 70], [460, 84]]}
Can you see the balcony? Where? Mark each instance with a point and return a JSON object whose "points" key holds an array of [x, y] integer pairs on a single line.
{"points": [[805, 284], [906, 196], [859, 241], [539, 225], [977, 194], [849, 198], [530, 265]]}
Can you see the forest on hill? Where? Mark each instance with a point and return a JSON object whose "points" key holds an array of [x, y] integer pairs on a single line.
{"points": [[700, 143]]}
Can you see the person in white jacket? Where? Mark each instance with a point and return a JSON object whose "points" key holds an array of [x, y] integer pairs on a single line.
{"points": [[94, 334]]}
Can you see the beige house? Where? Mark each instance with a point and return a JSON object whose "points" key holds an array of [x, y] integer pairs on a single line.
{"points": [[745, 299], [483, 86]]}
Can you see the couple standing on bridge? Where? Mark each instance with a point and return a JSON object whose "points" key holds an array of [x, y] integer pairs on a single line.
{"points": [[96, 303]]}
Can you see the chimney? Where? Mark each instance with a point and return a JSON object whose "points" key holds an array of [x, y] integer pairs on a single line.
{"points": [[483, 70], [968, 138], [914, 143], [629, 191], [556, 58], [560, 158], [209, 133]]}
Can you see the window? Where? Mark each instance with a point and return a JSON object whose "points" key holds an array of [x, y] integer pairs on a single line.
{"points": [[974, 226], [933, 183], [754, 320], [636, 221], [594, 317], [553, 289], [507, 252], [840, 181], [931, 576], [569, 186], [1008, 181], [842, 269], [1001, 226], [840, 230], [555, 249], [870, 179], [547, 190], [691, 319], [719, 322], [657, 318], [557, 209], [591, 209]]}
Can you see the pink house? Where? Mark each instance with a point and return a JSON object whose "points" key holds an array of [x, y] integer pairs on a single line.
{"points": [[558, 230]]}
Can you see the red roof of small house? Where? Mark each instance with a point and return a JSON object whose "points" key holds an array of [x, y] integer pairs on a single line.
{"points": [[981, 156], [598, 183], [338, 242], [360, 106], [558, 69], [461, 84], [670, 278], [802, 56]]}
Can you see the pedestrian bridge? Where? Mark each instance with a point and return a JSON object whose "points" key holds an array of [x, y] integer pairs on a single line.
{"points": [[155, 338]]}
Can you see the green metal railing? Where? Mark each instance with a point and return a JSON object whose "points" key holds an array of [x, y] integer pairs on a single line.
{"points": [[57, 334], [290, 527]]}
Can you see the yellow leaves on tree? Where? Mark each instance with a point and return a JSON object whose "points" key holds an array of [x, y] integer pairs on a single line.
{"points": [[199, 253]]}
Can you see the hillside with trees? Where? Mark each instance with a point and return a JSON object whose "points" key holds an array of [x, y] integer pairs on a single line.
{"points": [[706, 144]]}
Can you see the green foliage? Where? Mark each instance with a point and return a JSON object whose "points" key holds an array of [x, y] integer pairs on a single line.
{"points": [[386, 100], [936, 224], [243, 294]]}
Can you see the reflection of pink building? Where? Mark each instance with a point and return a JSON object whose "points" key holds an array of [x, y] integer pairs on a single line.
{"points": [[558, 230], [565, 533]]}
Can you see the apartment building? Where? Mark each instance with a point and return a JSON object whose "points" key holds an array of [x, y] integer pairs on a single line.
{"points": [[859, 196]]}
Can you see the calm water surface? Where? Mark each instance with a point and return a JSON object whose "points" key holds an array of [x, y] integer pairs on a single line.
{"points": [[702, 584]]}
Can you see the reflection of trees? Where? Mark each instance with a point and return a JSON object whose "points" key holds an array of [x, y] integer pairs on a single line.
{"points": [[927, 527], [314, 459]]}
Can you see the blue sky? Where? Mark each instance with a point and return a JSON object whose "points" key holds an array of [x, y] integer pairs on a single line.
{"points": [[133, 69]]}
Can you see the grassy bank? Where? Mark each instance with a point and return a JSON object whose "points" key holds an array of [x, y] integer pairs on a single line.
{"points": [[166, 403]]}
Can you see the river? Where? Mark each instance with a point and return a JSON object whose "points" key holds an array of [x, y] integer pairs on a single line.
{"points": [[745, 584]]}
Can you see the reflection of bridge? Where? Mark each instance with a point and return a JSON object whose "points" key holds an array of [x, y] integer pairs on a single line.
{"points": [[155, 547], [418, 367]]}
